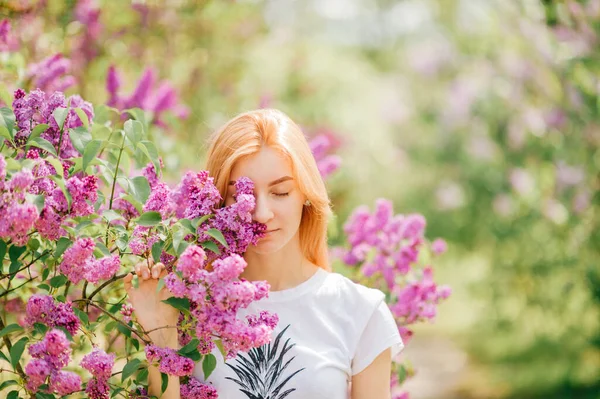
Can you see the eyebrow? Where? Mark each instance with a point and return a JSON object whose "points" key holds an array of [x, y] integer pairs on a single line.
{"points": [[273, 183]]}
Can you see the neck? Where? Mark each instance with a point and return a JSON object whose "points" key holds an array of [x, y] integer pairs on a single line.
{"points": [[283, 269]]}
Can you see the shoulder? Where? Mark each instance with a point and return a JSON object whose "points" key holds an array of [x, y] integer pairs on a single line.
{"points": [[337, 287]]}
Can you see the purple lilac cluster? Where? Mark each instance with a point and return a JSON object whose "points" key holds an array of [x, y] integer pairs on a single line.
{"points": [[127, 312], [79, 263], [235, 221], [149, 95], [43, 309], [49, 356], [322, 145], [37, 107], [100, 365], [17, 216], [51, 73], [216, 296], [85, 48], [194, 389], [169, 362], [8, 41], [389, 245]]}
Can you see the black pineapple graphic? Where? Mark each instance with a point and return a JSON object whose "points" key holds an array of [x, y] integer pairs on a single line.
{"points": [[260, 373]]}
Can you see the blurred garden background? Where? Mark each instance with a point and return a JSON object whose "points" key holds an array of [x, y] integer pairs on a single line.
{"points": [[482, 115]]}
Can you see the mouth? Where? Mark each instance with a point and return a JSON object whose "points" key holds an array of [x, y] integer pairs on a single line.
{"points": [[271, 231]]}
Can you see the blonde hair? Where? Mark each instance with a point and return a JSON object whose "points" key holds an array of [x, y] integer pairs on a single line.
{"points": [[244, 135]]}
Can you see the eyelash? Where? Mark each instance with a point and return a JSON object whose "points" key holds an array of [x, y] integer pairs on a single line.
{"points": [[282, 195]]}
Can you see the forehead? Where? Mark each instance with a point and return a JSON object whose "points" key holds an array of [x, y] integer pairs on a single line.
{"points": [[262, 167]]}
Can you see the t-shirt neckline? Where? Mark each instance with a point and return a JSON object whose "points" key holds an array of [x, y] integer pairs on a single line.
{"points": [[299, 290]]}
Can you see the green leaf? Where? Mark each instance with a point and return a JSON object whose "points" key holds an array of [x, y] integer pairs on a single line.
{"points": [[61, 184], [221, 348], [130, 368], [4, 133], [13, 395], [60, 114], [188, 225], [190, 347], [44, 287], [58, 281], [137, 204], [133, 131], [217, 235], [6, 95], [116, 391], [7, 384], [38, 201], [15, 252], [194, 355], [58, 168], [80, 137], [182, 304], [2, 250], [151, 218], [149, 149], [37, 131], [141, 188], [17, 350], [137, 114], [43, 395], [91, 150], [160, 285], [83, 117], [111, 215], [11, 328], [124, 330], [7, 119], [142, 375], [82, 315], [43, 144], [211, 246], [3, 357], [164, 382], [208, 365], [103, 249], [157, 248], [61, 245]]}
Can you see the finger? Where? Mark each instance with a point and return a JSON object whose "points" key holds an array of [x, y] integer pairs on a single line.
{"points": [[127, 281], [145, 273], [157, 270]]}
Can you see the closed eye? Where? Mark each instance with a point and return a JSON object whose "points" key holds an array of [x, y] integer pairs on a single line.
{"points": [[282, 194]]}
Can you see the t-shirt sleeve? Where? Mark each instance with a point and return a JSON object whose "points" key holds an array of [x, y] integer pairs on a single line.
{"points": [[380, 333]]}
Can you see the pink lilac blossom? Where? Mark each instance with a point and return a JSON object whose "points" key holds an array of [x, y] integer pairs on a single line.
{"points": [[102, 269], [97, 389], [64, 382], [8, 41], [75, 259], [87, 13], [142, 240], [169, 361], [147, 95], [83, 190], [194, 389], [159, 200], [127, 312], [195, 196], [321, 145], [99, 363], [50, 355], [52, 73], [417, 300], [216, 298], [43, 309], [149, 172], [439, 246]]}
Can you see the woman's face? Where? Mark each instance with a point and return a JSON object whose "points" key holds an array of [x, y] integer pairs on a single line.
{"points": [[279, 201]]}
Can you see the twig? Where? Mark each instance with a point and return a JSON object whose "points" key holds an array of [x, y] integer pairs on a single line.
{"points": [[107, 282]]}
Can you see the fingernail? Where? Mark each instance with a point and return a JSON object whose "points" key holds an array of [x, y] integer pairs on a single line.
{"points": [[155, 274]]}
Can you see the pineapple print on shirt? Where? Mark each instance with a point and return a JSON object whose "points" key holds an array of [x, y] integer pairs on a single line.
{"points": [[263, 372]]}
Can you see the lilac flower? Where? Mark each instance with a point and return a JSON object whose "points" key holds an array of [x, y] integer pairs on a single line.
{"points": [[54, 349], [194, 389], [64, 382], [142, 240], [82, 191], [97, 389], [145, 96], [169, 361], [127, 312], [16, 220], [8, 41], [52, 73], [196, 195], [149, 172], [102, 269], [439, 246], [86, 47], [159, 200], [321, 145], [21, 180], [43, 309], [2, 170], [191, 263], [229, 268], [75, 259], [37, 370], [99, 363]]}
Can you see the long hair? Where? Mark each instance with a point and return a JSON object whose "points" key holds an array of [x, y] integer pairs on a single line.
{"points": [[244, 135]]}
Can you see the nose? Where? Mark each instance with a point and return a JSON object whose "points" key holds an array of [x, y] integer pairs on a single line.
{"points": [[262, 210]]}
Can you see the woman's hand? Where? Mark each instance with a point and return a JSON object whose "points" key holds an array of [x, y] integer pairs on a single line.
{"points": [[148, 307]]}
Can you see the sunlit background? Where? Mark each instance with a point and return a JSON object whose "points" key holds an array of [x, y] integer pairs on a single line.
{"points": [[482, 115]]}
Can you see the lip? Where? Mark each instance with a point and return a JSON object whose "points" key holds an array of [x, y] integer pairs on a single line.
{"points": [[271, 231]]}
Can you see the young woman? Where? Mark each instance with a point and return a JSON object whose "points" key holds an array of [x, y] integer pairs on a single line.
{"points": [[334, 337]]}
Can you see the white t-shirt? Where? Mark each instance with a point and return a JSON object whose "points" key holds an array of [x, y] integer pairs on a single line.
{"points": [[329, 329]]}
